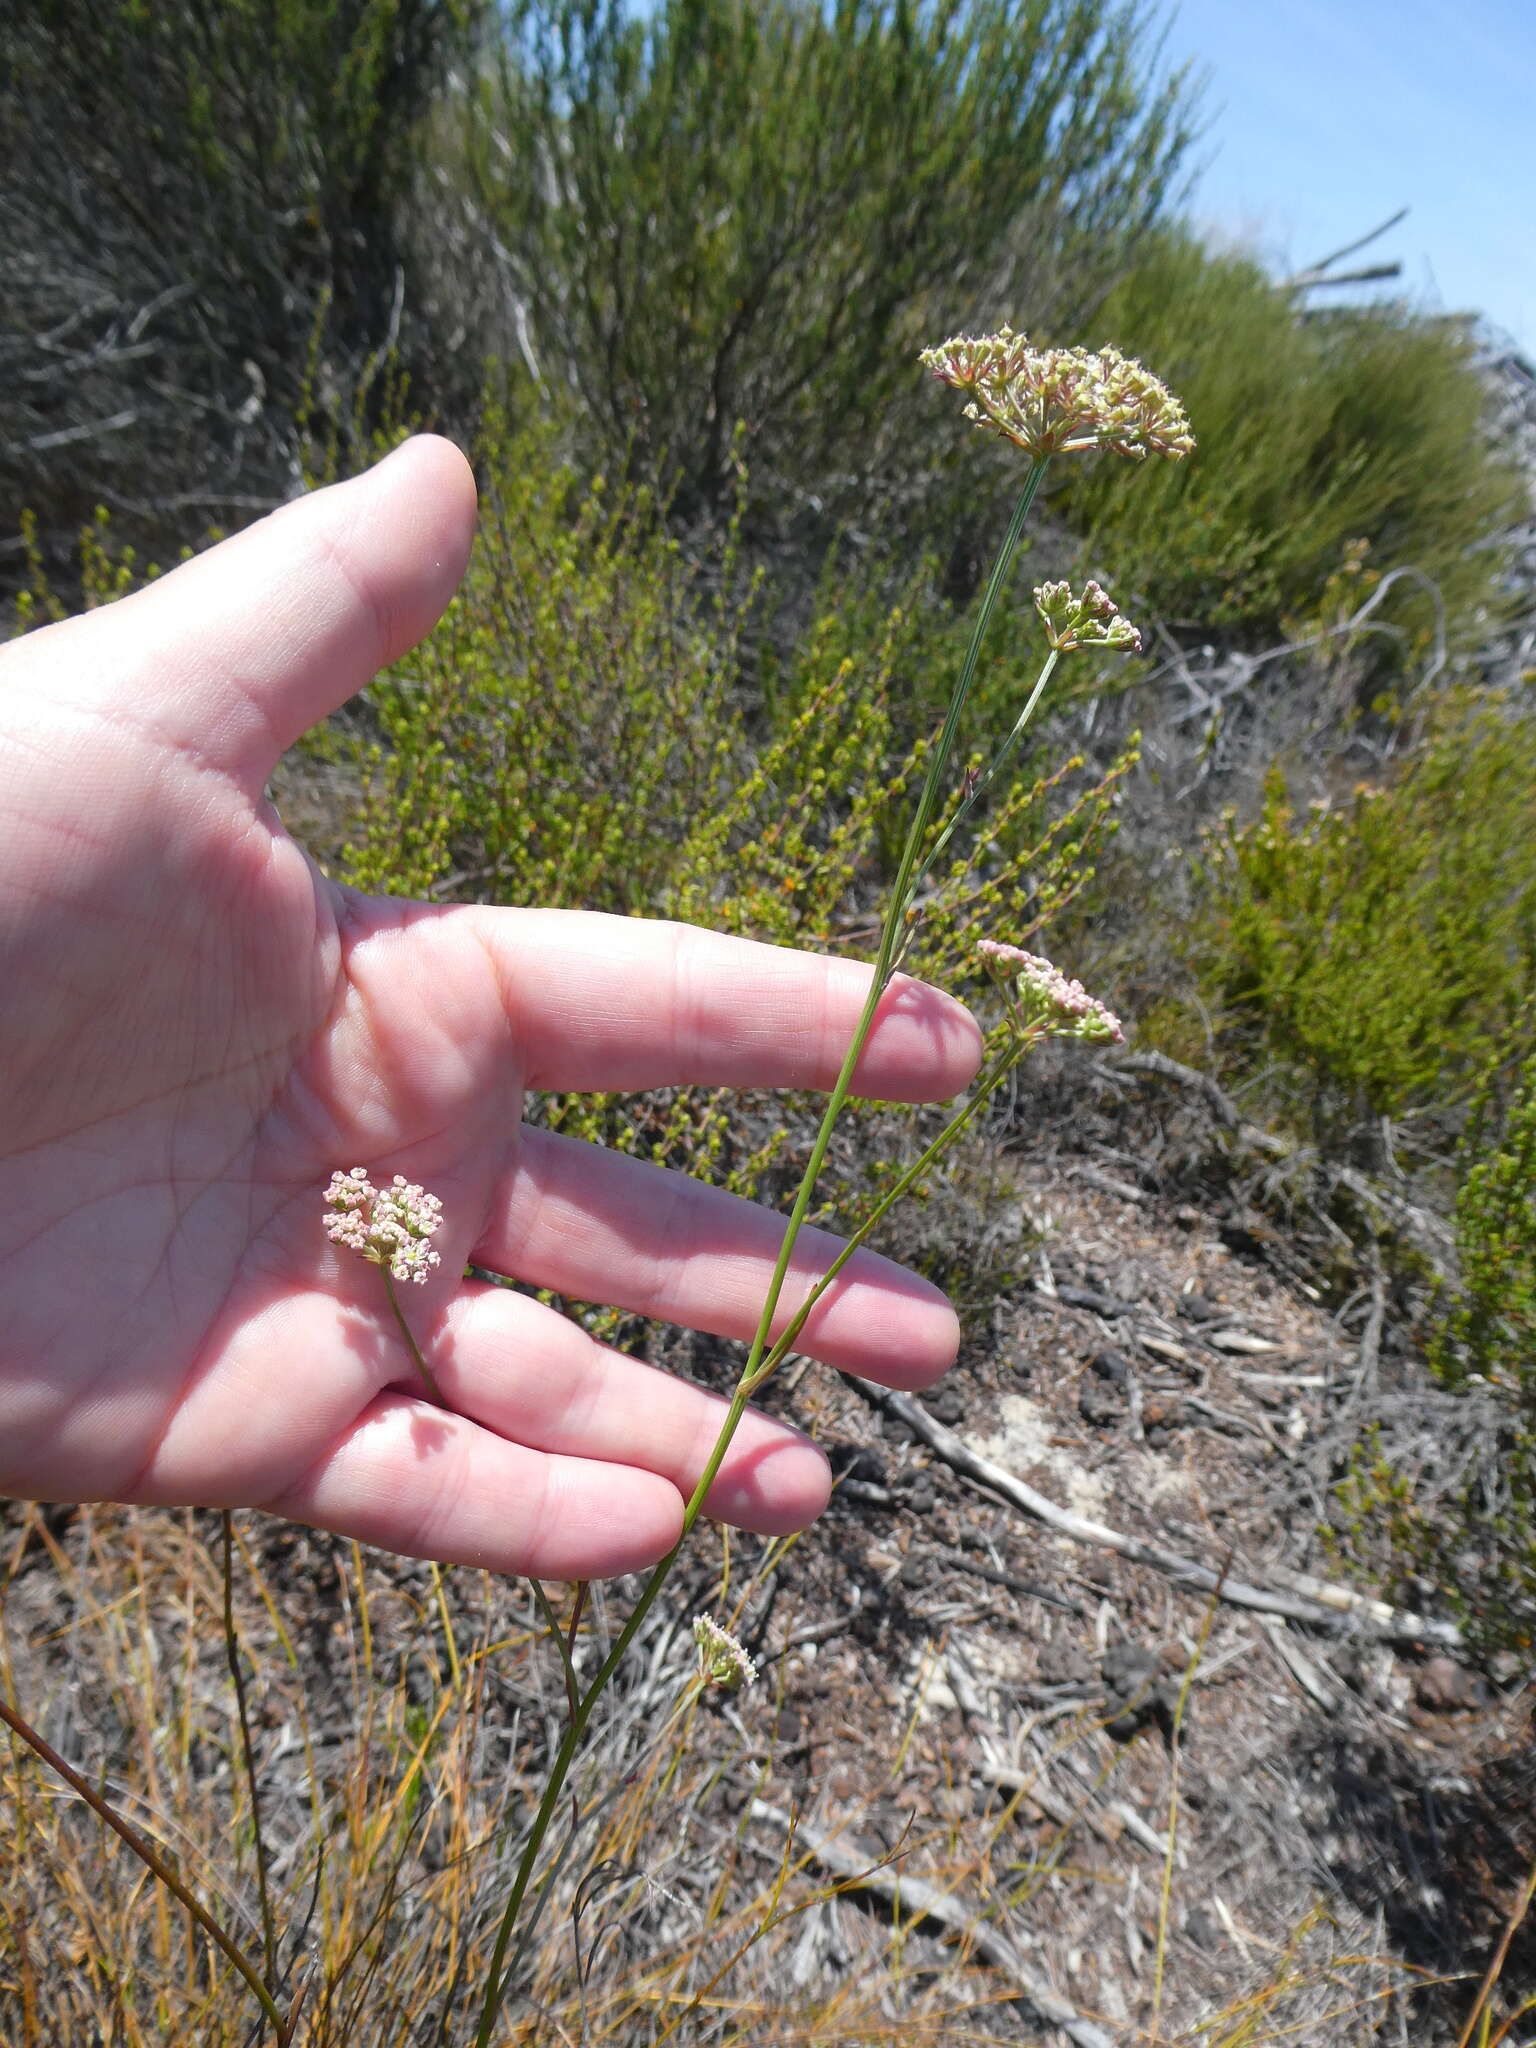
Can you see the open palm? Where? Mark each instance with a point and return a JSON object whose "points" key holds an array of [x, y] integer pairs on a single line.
{"points": [[197, 1028]]}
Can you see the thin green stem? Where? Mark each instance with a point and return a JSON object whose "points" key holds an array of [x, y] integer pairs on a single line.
{"points": [[892, 933], [411, 1345], [981, 1090], [153, 1862], [247, 1748], [988, 775], [571, 1741], [557, 1637]]}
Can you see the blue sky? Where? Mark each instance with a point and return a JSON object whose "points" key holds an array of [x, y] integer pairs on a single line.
{"points": [[1325, 116]]}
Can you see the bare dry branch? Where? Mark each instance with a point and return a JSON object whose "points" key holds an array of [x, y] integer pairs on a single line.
{"points": [[914, 1895], [1320, 1606]]}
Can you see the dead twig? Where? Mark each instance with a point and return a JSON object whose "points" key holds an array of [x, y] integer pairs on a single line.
{"points": [[914, 1896], [1320, 1607]]}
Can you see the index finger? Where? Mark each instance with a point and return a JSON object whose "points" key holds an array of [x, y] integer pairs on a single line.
{"points": [[600, 1002]]}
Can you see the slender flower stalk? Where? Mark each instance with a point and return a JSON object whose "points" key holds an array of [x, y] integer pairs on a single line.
{"points": [[247, 1746], [893, 931], [1048, 402]]}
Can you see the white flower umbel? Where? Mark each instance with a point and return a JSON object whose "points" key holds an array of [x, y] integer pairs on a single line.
{"points": [[1092, 620], [1062, 401], [722, 1660]]}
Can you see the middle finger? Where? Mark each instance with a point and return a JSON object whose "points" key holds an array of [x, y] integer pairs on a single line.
{"points": [[601, 1227]]}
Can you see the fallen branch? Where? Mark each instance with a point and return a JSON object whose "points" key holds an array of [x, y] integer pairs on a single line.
{"points": [[914, 1897], [1429, 1233], [1327, 1607], [1216, 1098], [1119, 1818]]}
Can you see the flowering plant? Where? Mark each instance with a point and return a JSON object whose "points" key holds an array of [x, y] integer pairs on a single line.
{"points": [[1048, 402]]}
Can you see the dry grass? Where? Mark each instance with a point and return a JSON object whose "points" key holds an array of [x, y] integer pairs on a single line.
{"points": [[399, 1717]]}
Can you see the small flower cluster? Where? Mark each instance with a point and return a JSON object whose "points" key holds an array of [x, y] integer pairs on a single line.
{"points": [[1052, 999], [722, 1660], [389, 1228], [1059, 401], [1092, 620]]}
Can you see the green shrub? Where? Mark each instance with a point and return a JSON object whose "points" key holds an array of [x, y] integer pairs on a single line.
{"points": [[1486, 1337], [570, 722], [1316, 431], [1380, 949], [1457, 1506], [1489, 1330], [720, 210]]}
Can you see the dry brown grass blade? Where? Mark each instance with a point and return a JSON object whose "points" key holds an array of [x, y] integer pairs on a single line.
{"points": [[150, 1857], [1495, 1970]]}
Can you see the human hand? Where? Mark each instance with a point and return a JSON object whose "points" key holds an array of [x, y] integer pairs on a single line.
{"points": [[197, 1028]]}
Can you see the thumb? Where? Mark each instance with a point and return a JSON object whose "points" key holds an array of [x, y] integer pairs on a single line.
{"points": [[239, 651]]}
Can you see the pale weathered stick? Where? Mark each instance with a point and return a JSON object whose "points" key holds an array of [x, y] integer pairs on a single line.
{"points": [[914, 1896], [1323, 1607]]}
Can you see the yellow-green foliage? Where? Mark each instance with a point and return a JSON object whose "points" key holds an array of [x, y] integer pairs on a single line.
{"points": [[1488, 1335], [565, 728], [580, 731], [1490, 1330], [1380, 948], [106, 572], [1467, 1521], [1314, 432]]}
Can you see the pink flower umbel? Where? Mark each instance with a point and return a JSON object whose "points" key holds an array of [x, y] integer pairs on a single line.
{"points": [[1062, 401], [389, 1227], [1092, 620], [1048, 1000]]}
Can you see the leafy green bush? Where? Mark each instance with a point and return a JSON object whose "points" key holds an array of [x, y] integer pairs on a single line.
{"points": [[1459, 1508], [1380, 949], [580, 731], [1315, 432], [758, 210], [1489, 1330], [570, 722]]}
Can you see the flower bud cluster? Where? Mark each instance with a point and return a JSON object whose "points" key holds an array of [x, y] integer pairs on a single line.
{"points": [[1049, 999], [1092, 620], [722, 1660], [1060, 401], [389, 1227]]}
